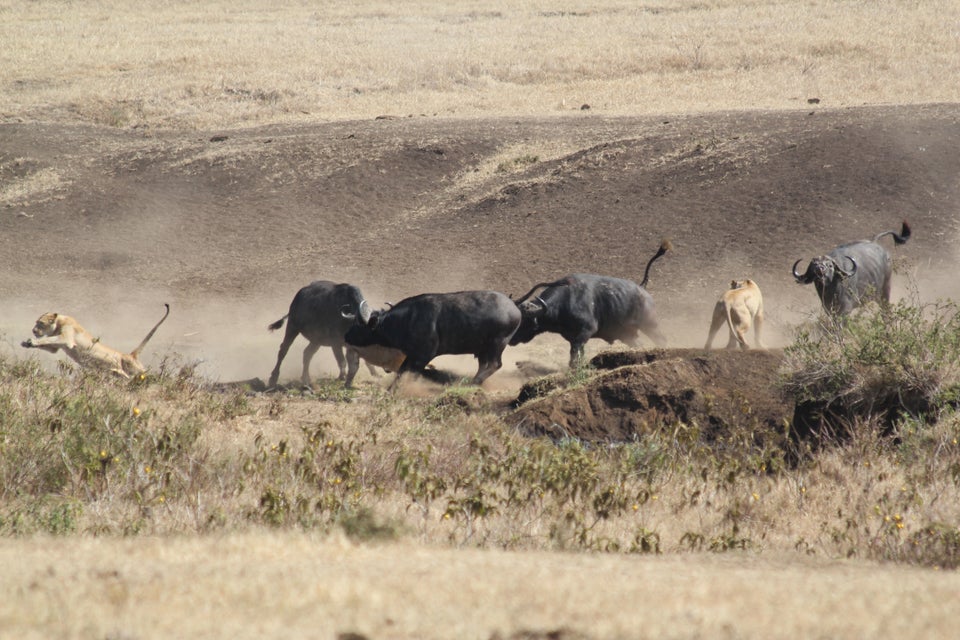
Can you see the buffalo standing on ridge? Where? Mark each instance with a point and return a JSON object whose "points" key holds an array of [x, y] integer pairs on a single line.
{"points": [[852, 273], [583, 306]]}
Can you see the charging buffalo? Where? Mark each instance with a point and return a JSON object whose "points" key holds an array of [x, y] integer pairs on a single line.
{"points": [[317, 313], [583, 306], [852, 273], [479, 323]]}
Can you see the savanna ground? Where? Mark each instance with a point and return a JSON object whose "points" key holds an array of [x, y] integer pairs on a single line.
{"points": [[218, 156]]}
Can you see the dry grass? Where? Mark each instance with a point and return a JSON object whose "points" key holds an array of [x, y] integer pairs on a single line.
{"points": [[293, 585], [171, 457], [394, 515], [225, 64]]}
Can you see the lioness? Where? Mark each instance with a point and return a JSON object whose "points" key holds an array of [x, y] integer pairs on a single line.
{"points": [[55, 331], [739, 306]]}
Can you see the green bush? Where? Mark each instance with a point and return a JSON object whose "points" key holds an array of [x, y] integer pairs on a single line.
{"points": [[881, 361]]}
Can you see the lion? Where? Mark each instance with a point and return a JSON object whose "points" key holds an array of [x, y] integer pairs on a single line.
{"points": [[740, 306], [55, 331]]}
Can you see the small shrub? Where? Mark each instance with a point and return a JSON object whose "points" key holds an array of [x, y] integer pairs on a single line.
{"points": [[363, 525], [49, 515], [517, 163], [880, 362], [936, 544]]}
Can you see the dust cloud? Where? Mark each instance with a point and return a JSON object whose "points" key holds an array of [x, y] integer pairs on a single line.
{"points": [[229, 341]]}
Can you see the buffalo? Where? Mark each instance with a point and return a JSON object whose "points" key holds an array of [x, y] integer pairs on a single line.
{"points": [[583, 306], [317, 312], [425, 326], [853, 273]]}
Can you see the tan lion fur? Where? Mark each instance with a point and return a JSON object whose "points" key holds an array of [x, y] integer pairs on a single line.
{"points": [[740, 307], [55, 331]]}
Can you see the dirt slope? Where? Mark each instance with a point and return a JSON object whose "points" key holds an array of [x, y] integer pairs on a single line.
{"points": [[637, 393], [226, 225]]}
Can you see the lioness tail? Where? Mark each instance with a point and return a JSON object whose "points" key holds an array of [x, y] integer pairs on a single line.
{"points": [[136, 352]]}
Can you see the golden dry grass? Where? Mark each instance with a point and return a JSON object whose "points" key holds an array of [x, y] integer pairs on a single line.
{"points": [[291, 585], [224, 64]]}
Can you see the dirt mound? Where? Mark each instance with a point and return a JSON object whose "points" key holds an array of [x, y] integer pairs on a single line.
{"points": [[637, 392]]}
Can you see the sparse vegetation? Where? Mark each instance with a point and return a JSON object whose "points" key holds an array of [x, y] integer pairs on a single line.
{"points": [[516, 164], [887, 363], [84, 456]]}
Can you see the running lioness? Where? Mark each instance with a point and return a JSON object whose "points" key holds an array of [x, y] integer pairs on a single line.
{"points": [[55, 331]]}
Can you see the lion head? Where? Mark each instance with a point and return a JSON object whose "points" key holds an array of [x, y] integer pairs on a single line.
{"points": [[47, 325]]}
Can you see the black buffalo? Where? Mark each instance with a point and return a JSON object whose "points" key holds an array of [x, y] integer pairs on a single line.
{"points": [[317, 313], [583, 306], [425, 326], [852, 273]]}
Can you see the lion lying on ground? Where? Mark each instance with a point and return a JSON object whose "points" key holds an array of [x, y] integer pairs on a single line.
{"points": [[740, 306], [55, 331]]}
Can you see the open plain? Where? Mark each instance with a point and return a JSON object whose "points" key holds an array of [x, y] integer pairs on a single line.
{"points": [[218, 156]]}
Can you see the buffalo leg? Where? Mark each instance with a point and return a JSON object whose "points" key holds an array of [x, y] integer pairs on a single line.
{"points": [[487, 368], [353, 365], [652, 330], [576, 352], [885, 293], [307, 357], [490, 363], [411, 364], [631, 340], [341, 361], [288, 338]]}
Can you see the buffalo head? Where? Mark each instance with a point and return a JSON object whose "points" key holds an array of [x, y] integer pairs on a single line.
{"points": [[823, 270], [531, 310], [365, 333]]}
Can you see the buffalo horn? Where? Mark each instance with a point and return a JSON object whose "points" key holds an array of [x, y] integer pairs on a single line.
{"points": [[853, 269], [540, 302], [542, 285], [364, 310], [802, 279]]}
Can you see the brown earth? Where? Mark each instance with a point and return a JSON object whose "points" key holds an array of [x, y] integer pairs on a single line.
{"points": [[105, 224], [639, 392]]}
